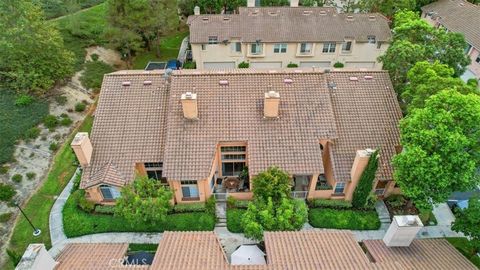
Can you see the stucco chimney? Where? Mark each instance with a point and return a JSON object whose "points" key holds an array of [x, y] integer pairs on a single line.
{"points": [[402, 231], [294, 3], [36, 257], [250, 3], [359, 164], [196, 10], [271, 104], [189, 105], [83, 148]]}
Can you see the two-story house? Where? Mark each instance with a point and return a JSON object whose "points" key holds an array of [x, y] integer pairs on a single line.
{"points": [[462, 17], [196, 131], [274, 37]]}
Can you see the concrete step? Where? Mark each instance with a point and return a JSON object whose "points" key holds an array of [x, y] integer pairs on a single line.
{"points": [[221, 224]]}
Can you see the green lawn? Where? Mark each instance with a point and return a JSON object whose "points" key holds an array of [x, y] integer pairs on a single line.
{"points": [[15, 120], [343, 219], [234, 220], [169, 47], [54, 9], [464, 246], [83, 29], [76, 222], [39, 205]]}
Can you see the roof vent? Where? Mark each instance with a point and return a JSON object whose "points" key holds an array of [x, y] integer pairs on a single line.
{"points": [[255, 12], [372, 17], [368, 77], [353, 79], [273, 13], [288, 81], [350, 18], [332, 85], [323, 12], [147, 82], [307, 12], [327, 70], [126, 83], [226, 19], [223, 82], [205, 19]]}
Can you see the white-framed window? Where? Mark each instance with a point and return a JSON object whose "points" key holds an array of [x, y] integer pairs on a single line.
{"points": [[306, 48], [329, 47], [256, 48], [189, 189], [346, 46], [154, 171], [204, 47], [109, 192], [212, 40], [233, 160], [280, 48], [339, 188], [371, 39], [236, 47]]}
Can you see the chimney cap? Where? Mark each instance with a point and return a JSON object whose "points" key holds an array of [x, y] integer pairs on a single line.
{"points": [[272, 94], [79, 137], [189, 95], [408, 221]]}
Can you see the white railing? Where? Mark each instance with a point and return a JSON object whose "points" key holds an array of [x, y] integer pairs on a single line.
{"points": [[299, 194]]}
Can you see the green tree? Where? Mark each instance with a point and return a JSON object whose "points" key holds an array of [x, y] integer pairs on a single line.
{"points": [[441, 148], [144, 201], [32, 55], [273, 209], [467, 221], [272, 183], [386, 7], [365, 184], [426, 79]]}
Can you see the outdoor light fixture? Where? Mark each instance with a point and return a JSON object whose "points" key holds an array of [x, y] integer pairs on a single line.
{"points": [[36, 231]]}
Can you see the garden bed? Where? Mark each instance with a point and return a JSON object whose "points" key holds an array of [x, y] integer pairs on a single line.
{"points": [[77, 222], [398, 205], [343, 219], [234, 220]]}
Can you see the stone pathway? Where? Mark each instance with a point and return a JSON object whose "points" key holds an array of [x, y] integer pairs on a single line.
{"points": [[443, 214], [221, 212]]}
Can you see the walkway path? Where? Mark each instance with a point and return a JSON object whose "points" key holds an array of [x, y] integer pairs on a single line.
{"points": [[221, 212]]}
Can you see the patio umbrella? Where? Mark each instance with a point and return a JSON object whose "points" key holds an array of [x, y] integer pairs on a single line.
{"points": [[248, 255]]}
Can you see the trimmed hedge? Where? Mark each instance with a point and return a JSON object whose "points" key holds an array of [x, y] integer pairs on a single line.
{"points": [[365, 184], [105, 209], [244, 65], [343, 219], [189, 207], [234, 220], [335, 204], [234, 203]]}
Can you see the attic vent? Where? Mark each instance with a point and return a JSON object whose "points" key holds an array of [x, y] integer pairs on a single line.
{"points": [[368, 77], [353, 79], [323, 12], [350, 18], [307, 12], [372, 17], [223, 82], [126, 83], [226, 19], [205, 19], [254, 13], [147, 82], [332, 85], [462, 4], [272, 13], [288, 81]]}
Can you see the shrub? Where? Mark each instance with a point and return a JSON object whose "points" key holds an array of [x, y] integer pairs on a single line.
{"points": [[61, 100], [94, 57], [82, 202], [31, 175], [50, 122], [473, 82], [338, 65], [344, 219], [189, 207], [234, 220], [17, 178], [396, 201], [66, 121], [80, 107], [244, 65], [32, 133], [335, 204], [92, 75], [24, 100], [76, 182], [105, 209], [190, 65], [234, 203], [292, 65], [4, 169], [5, 217], [53, 146], [14, 256], [6, 192], [210, 206], [365, 184]]}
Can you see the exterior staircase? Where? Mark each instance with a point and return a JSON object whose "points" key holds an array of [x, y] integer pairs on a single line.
{"points": [[221, 212]]}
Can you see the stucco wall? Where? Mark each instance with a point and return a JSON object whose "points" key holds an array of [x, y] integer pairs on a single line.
{"points": [[474, 66]]}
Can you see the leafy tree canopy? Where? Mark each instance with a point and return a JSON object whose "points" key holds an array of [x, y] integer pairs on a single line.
{"points": [[386, 7], [144, 201], [426, 79], [32, 55], [365, 184], [441, 148], [272, 183], [467, 221]]}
